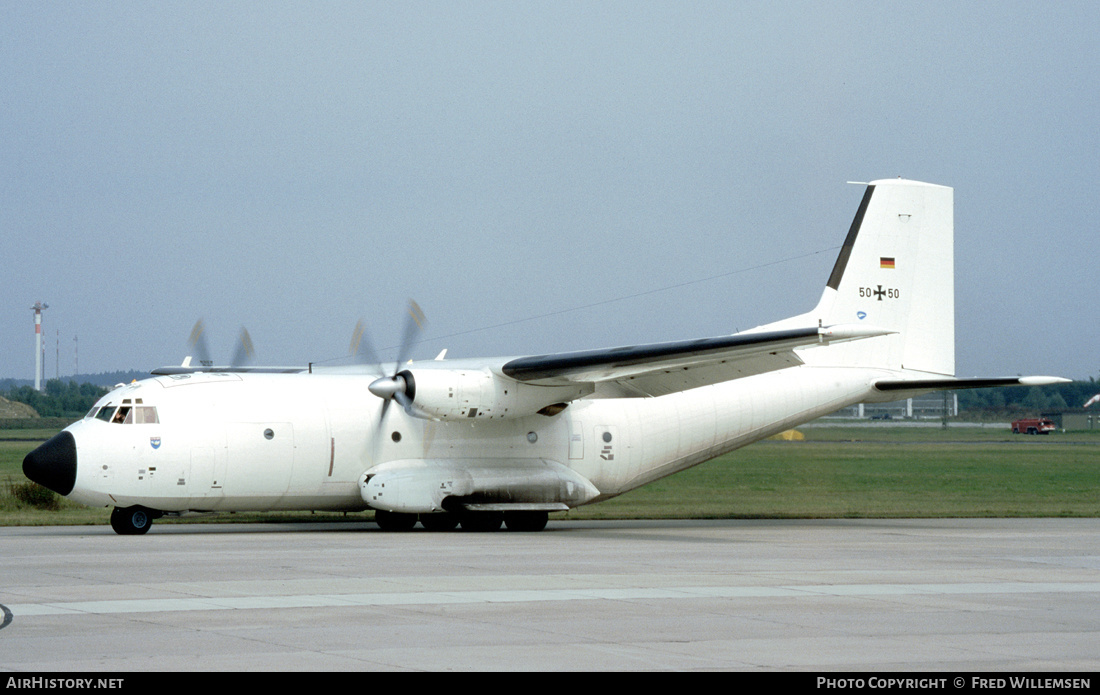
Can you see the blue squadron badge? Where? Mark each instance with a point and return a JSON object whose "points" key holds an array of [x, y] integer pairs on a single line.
{"points": [[154, 442]]}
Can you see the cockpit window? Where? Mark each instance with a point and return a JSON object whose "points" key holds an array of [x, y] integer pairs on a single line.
{"points": [[128, 414]]}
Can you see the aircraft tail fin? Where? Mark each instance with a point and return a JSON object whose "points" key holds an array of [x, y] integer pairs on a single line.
{"points": [[895, 272]]}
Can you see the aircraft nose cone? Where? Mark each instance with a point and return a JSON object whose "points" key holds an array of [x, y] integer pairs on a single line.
{"points": [[53, 465]]}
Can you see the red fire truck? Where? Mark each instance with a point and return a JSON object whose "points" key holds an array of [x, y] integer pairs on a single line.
{"points": [[1039, 425]]}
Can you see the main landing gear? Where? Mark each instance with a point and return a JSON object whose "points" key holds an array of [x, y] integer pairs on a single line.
{"points": [[469, 521]]}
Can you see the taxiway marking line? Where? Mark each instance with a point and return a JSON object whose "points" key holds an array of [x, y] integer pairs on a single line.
{"points": [[424, 598]]}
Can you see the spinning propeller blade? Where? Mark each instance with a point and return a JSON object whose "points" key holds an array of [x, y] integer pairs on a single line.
{"points": [[395, 386], [242, 355]]}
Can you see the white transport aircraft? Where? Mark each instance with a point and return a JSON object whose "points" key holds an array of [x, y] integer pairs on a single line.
{"points": [[478, 442]]}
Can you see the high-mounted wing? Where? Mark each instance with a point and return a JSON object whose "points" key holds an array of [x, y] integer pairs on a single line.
{"points": [[663, 368]]}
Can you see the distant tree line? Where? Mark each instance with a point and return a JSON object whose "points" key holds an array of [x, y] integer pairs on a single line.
{"points": [[108, 379], [60, 399]]}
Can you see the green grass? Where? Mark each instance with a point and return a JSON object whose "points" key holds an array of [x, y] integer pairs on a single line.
{"points": [[885, 471], [875, 479], [28, 434]]}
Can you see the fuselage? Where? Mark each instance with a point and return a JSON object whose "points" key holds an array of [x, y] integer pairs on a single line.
{"points": [[236, 442]]}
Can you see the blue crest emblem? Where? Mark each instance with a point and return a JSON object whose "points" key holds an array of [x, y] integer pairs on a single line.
{"points": [[154, 442], [861, 315]]}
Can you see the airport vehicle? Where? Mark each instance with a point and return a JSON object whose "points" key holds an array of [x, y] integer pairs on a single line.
{"points": [[1038, 425], [478, 442]]}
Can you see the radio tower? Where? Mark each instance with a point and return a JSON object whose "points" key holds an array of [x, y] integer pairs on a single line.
{"points": [[38, 308]]}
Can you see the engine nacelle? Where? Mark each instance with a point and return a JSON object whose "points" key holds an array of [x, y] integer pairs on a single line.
{"points": [[449, 394], [422, 486]]}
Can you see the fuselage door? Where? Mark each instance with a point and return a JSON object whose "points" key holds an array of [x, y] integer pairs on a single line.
{"points": [[207, 477], [576, 440], [260, 458]]}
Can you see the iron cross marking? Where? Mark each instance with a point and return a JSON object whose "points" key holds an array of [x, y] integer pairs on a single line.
{"points": [[880, 293]]}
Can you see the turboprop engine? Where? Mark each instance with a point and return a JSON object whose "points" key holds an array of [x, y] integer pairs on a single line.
{"points": [[422, 486], [448, 394]]}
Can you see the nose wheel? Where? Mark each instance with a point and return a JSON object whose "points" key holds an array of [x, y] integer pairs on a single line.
{"points": [[131, 521]]}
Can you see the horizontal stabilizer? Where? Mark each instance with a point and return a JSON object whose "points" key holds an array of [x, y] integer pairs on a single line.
{"points": [[975, 383]]}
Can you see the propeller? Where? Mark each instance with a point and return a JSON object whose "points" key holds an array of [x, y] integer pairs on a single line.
{"points": [[242, 355], [398, 386]]}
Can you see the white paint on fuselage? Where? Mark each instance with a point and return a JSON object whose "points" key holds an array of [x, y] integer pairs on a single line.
{"points": [[237, 442]]}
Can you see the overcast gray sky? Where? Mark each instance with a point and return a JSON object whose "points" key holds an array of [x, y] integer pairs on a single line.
{"points": [[540, 176]]}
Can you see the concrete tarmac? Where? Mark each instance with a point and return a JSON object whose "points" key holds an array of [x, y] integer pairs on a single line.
{"points": [[902, 595]]}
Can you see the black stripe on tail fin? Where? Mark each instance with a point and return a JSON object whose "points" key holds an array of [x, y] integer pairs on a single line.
{"points": [[849, 241]]}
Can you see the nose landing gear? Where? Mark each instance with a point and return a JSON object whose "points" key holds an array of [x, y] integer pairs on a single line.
{"points": [[132, 521]]}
